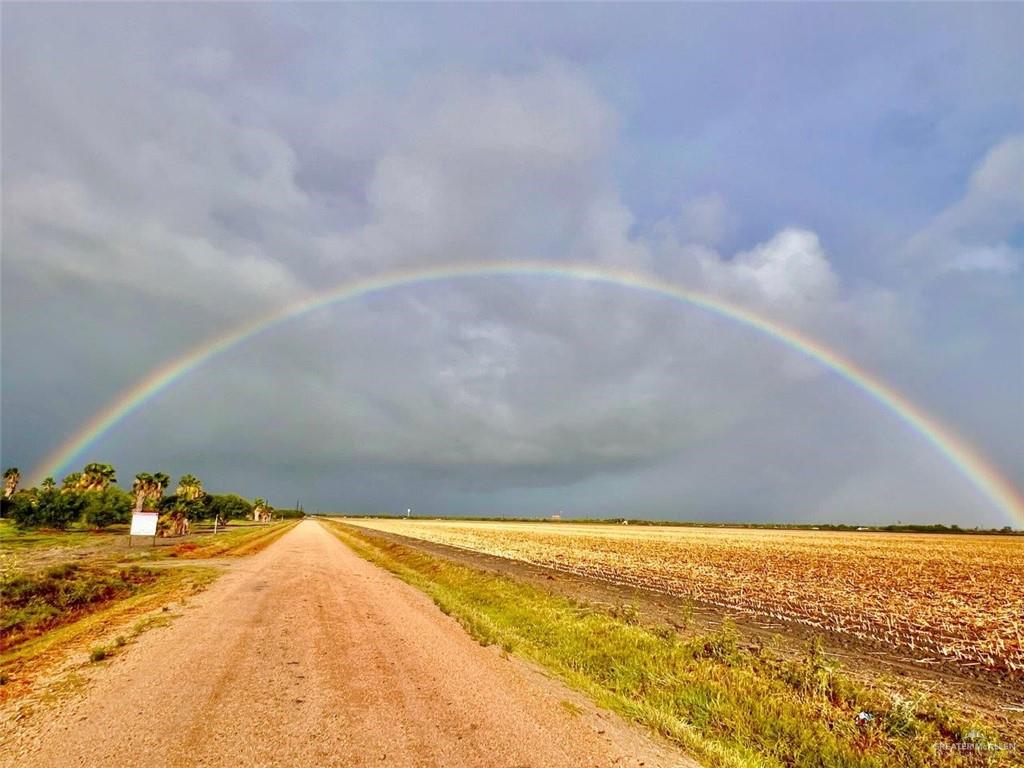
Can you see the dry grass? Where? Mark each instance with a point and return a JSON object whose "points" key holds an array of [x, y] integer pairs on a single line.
{"points": [[958, 597]]}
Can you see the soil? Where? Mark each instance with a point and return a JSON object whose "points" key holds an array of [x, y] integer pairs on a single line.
{"points": [[991, 693]]}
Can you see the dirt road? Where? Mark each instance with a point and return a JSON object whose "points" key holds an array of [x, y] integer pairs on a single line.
{"points": [[307, 655]]}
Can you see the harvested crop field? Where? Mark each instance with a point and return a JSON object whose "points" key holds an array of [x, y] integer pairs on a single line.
{"points": [[954, 597]]}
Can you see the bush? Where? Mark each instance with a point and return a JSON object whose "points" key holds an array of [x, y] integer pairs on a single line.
{"points": [[47, 508], [22, 509], [109, 506], [227, 506], [35, 601]]}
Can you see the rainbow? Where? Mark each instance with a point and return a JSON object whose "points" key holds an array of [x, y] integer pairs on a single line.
{"points": [[971, 464]]}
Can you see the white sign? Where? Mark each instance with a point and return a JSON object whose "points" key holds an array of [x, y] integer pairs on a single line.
{"points": [[144, 523]]}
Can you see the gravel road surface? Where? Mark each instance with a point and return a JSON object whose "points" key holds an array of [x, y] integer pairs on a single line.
{"points": [[307, 655]]}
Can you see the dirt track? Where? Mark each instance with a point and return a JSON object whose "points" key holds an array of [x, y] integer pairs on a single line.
{"points": [[306, 655]]}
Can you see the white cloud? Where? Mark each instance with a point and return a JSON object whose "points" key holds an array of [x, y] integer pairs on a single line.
{"points": [[972, 235], [788, 274]]}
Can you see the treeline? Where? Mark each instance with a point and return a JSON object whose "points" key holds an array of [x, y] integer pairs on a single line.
{"points": [[289, 514], [92, 497], [896, 528]]}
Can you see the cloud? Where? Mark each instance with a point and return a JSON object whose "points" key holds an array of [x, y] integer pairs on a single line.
{"points": [[999, 259], [482, 168], [57, 230], [705, 220], [974, 234], [160, 189], [788, 272]]}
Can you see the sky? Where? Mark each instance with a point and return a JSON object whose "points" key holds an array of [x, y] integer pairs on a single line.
{"points": [[854, 171]]}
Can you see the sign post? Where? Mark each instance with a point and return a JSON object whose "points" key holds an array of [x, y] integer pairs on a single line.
{"points": [[143, 524]]}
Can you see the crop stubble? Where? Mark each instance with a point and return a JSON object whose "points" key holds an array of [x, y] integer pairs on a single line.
{"points": [[957, 597]]}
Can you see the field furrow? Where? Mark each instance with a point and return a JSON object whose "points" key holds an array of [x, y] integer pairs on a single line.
{"points": [[957, 597]]}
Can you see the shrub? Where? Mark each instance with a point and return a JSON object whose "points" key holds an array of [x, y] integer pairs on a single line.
{"points": [[47, 508], [227, 506], [109, 506], [35, 601]]}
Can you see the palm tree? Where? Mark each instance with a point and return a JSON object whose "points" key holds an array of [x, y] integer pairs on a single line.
{"points": [[96, 477], [149, 488], [71, 482], [142, 489], [11, 479], [190, 488], [190, 493], [258, 507], [48, 484]]}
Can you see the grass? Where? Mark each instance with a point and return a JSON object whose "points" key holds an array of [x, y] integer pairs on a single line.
{"points": [[38, 597], [36, 602], [727, 703], [18, 539], [49, 604], [232, 542], [21, 665], [41, 545]]}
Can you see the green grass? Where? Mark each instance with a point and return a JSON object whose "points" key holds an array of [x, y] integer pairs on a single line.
{"points": [[76, 628], [35, 602], [18, 539], [727, 703], [42, 592]]}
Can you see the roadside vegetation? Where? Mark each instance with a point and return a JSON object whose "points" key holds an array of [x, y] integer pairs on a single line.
{"points": [[67, 566], [92, 499], [727, 702], [235, 542], [39, 595], [33, 603]]}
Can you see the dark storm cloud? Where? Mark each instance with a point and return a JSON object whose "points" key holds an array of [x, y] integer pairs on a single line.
{"points": [[170, 171]]}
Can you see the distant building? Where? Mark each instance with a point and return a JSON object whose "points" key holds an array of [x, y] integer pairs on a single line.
{"points": [[556, 517]]}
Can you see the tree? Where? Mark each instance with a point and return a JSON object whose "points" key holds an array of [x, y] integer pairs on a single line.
{"points": [[49, 484], [96, 477], [261, 510], [70, 482], [11, 479], [47, 508], [188, 504], [190, 489], [227, 506], [109, 506], [148, 490]]}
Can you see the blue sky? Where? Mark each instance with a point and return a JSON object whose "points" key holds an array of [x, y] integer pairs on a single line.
{"points": [[852, 170]]}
